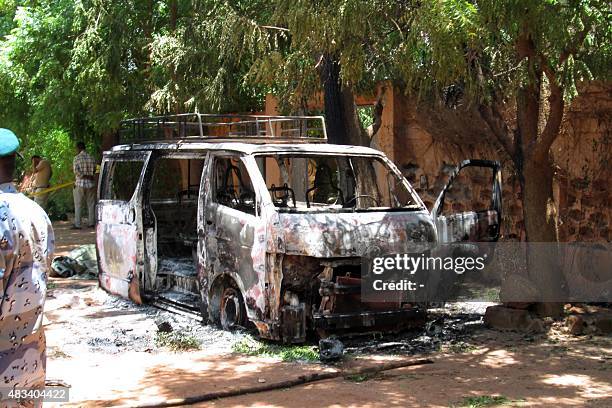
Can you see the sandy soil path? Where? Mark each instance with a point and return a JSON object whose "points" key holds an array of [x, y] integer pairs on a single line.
{"points": [[103, 348]]}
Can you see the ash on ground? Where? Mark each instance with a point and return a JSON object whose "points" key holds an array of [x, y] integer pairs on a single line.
{"points": [[105, 323], [447, 328]]}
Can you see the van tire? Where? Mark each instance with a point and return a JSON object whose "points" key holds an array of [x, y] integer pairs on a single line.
{"points": [[232, 312]]}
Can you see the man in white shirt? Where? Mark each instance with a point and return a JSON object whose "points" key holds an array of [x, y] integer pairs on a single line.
{"points": [[84, 167]]}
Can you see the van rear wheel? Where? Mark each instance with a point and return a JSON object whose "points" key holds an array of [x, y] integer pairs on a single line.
{"points": [[233, 313]]}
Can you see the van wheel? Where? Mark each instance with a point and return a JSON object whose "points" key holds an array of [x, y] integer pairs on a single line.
{"points": [[233, 312]]}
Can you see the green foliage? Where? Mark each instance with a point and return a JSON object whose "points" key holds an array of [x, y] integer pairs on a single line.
{"points": [[253, 347], [361, 34], [109, 61], [358, 378], [57, 147], [200, 63], [82, 66], [484, 401], [177, 341], [366, 115], [37, 53]]}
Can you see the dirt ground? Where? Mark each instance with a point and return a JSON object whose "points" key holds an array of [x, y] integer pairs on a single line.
{"points": [[104, 348], [67, 239]]}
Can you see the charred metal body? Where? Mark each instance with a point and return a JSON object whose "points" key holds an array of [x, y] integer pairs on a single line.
{"points": [[268, 232]]}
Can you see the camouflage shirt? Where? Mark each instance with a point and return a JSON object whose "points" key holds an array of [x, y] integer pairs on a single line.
{"points": [[26, 248]]}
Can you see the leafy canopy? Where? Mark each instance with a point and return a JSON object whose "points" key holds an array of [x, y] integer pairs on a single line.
{"points": [[84, 65]]}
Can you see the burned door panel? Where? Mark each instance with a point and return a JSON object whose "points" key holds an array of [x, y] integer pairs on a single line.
{"points": [[229, 251], [469, 225], [151, 261], [119, 224], [203, 264], [233, 232]]}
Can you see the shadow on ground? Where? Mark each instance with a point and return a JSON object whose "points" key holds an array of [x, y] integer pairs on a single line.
{"points": [[532, 372]]}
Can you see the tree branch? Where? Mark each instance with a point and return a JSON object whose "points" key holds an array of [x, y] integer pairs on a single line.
{"points": [[492, 120], [517, 66], [275, 28], [573, 47], [556, 105], [378, 112], [504, 139], [396, 25]]}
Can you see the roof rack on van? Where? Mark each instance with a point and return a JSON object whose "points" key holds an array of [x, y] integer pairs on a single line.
{"points": [[250, 128]]}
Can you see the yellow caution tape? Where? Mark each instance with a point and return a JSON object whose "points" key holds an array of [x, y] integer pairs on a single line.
{"points": [[58, 187], [51, 189]]}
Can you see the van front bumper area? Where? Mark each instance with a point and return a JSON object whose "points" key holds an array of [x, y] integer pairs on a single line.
{"points": [[369, 321]]}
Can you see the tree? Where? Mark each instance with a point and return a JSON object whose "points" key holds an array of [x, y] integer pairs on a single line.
{"points": [[525, 57], [69, 71], [201, 61], [337, 48], [517, 63]]}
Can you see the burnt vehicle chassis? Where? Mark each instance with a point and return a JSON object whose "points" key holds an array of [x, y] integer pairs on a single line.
{"points": [[222, 239]]}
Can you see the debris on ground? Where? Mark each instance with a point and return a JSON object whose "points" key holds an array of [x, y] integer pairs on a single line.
{"points": [[104, 323], [163, 325], [588, 319], [80, 263], [446, 328], [330, 349], [109, 324]]}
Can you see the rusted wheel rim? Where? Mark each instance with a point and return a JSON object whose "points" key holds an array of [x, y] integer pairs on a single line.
{"points": [[231, 309]]}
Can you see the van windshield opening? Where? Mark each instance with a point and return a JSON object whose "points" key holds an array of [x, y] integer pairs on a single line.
{"points": [[306, 183]]}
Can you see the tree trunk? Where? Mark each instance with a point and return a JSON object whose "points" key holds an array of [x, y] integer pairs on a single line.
{"points": [[109, 139], [173, 14], [541, 231], [535, 173], [341, 118], [343, 126]]}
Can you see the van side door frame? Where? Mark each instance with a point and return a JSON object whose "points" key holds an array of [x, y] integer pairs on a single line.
{"points": [[480, 226], [232, 243], [149, 218]]}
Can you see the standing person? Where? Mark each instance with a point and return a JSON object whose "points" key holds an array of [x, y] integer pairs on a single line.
{"points": [[26, 183], [84, 167], [41, 174], [26, 249]]}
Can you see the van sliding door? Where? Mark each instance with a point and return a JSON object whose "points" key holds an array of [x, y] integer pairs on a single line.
{"points": [[119, 230]]}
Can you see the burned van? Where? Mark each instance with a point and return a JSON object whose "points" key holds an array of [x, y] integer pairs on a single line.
{"points": [[256, 219]]}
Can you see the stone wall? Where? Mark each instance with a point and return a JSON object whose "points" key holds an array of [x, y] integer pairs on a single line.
{"points": [[426, 144], [429, 144], [582, 153]]}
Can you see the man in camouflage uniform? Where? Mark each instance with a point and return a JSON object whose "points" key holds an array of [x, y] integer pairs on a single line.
{"points": [[26, 248]]}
